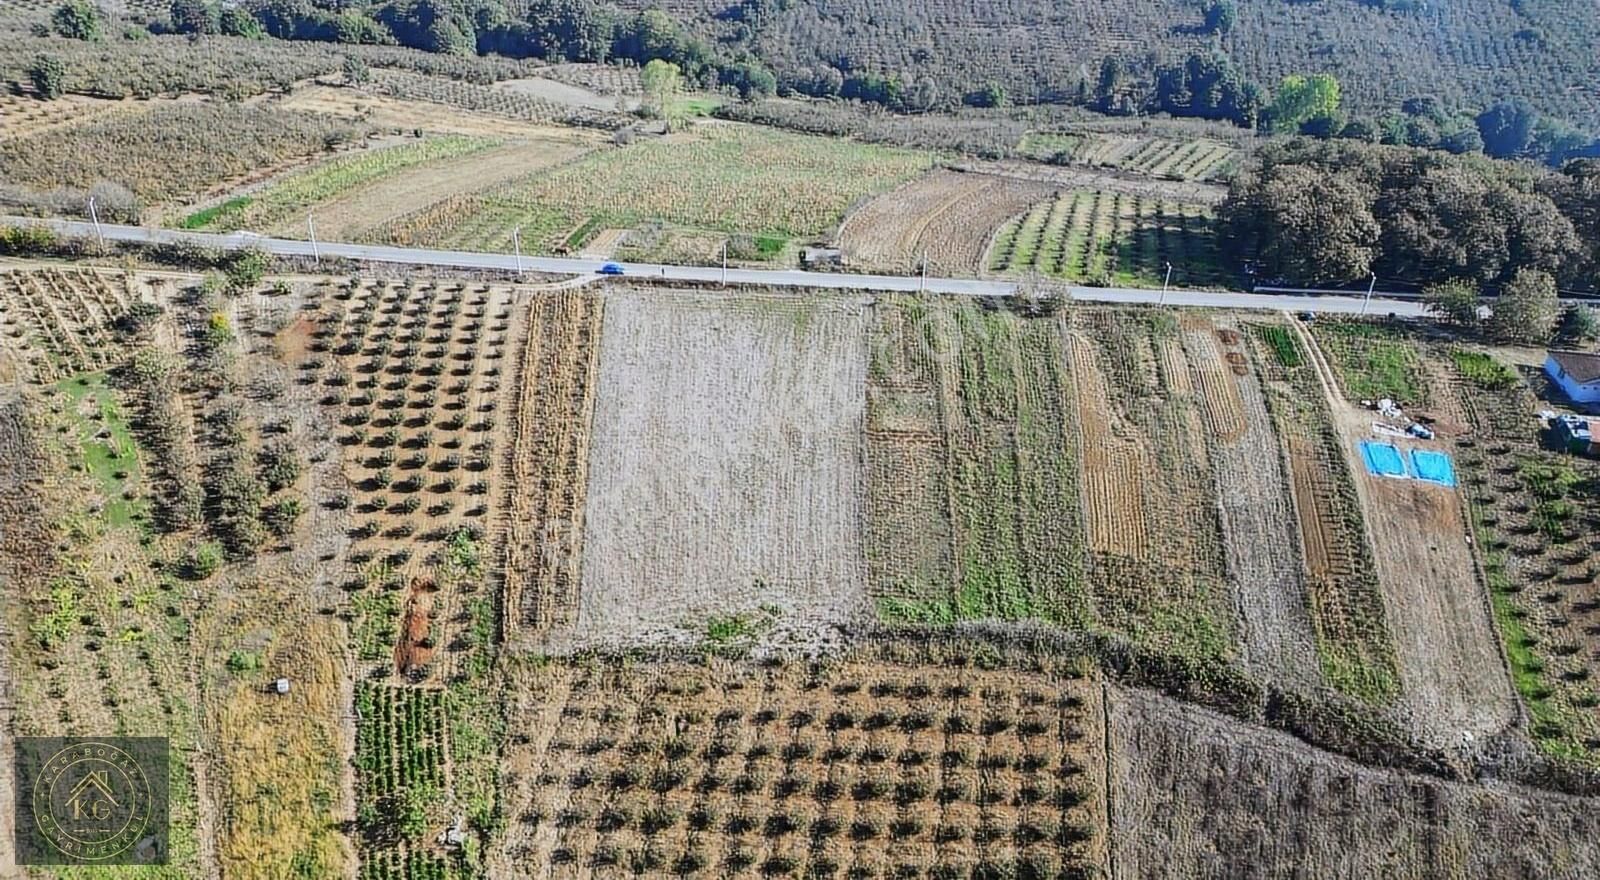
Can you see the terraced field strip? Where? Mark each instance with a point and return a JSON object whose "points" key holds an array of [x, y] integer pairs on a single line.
{"points": [[1113, 469], [295, 194], [1158, 566], [1354, 639], [995, 389], [556, 378]]}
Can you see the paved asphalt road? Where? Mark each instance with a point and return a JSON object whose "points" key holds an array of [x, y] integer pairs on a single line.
{"points": [[1331, 302]]}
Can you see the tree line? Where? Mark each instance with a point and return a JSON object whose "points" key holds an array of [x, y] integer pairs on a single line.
{"points": [[1336, 211]]}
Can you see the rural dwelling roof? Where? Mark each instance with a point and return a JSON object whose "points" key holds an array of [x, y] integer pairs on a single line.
{"points": [[1582, 366]]}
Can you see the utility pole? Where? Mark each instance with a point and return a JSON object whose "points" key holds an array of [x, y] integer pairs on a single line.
{"points": [[724, 262], [923, 286], [311, 227], [1370, 285], [516, 243], [95, 216], [1168, 280]]}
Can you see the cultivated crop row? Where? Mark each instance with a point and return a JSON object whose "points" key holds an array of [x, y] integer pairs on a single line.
{"points": [[965, 416], [1153, 526], [1353, 639], [1104, 237], [413, 374], [1533, 511], [548, 472]]}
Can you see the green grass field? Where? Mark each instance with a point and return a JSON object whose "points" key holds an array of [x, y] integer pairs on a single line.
{"points": [[1373, 361], [106, 446], [1110, 238]]}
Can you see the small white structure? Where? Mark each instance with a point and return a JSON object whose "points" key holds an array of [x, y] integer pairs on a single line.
{"points": [[281, 686], [1577, 372], [456, 834]]}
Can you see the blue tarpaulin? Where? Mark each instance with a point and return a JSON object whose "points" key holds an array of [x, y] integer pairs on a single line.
{"points": [[1435, 467], [1382, 459]]}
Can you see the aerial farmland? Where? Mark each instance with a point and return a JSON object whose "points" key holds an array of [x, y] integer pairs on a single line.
{"points": [[588, 441]]}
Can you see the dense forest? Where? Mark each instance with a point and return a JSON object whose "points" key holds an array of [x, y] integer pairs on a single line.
{"points": [[1337, 211]]}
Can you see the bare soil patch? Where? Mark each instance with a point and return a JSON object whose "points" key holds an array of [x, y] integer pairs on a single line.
{"points": [[569, 93], [726, 470], [548, 472], [1454, 680]]}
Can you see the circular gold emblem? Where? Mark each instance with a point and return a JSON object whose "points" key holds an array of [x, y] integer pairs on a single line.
{"points": [[91, 801]]}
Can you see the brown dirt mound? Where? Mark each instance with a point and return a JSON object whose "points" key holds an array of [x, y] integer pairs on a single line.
{"points": [[415, 649]]}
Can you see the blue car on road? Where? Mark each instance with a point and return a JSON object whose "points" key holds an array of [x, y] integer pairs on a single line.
{"points": [[611, 269]]}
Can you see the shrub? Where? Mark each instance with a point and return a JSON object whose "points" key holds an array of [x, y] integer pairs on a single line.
{"points": [[48, 74], [204, 560]]}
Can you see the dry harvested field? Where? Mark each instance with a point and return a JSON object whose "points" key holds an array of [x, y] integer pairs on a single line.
{"points": [[945, 217], [1194, 794], [869, 767], [725, 469], [555, 378]]}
